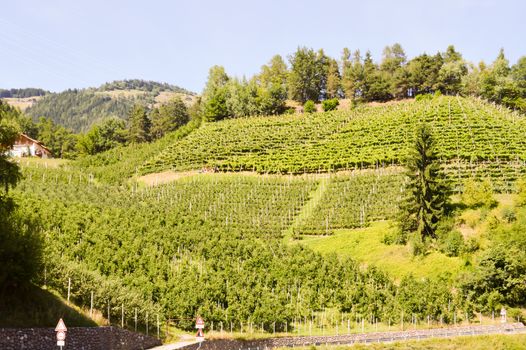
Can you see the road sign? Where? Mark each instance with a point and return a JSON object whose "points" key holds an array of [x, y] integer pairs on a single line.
{"points": [[200, 335], [61, 326], [199, 323], [61, 330]]}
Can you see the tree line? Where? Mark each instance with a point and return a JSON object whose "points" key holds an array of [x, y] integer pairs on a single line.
{"points": [[22, 93], [314, 76], [309, 76]]}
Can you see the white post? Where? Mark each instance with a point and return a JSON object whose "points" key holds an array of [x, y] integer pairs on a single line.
{"points": [[122, 315], [69, 288], [158, 326], [91, 306], [146, 323]]}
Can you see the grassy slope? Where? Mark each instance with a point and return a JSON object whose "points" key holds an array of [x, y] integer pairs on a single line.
{"points": [[366, 246], [307, 209], [36, 307]]}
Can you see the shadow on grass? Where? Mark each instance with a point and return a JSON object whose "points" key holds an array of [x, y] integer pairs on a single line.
{"points": [[32, 306]]}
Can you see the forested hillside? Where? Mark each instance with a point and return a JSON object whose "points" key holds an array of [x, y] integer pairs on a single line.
{"points": [[78, 110]]}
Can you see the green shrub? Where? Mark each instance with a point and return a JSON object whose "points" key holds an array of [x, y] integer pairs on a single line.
{"points": [[330, 105], [471, 245], [515, 315], [521, 191], [478, 194], [508, 214], [423, 97], [309, 107], [452, 244], [418, 246], [290, 110], [394, 237], [470, 217]]}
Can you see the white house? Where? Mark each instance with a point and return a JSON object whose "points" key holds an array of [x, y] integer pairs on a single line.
{"points": [[25, 146]]}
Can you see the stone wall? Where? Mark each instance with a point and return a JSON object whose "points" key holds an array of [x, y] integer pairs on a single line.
{"points": [[77, 338], [264, 344]]}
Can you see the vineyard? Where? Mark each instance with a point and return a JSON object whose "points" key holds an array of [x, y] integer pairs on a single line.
{"points": [[200, 244], [217, 243], [474, 139], [354, 199]]}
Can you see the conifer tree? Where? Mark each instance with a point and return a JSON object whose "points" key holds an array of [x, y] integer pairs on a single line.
{"points": [[169, 117], [426, 192], [333, 80], [139, 129]]}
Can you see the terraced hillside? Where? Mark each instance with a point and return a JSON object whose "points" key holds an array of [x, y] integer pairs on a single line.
{"points": [[474, 139], [219, 244], [200, 244]]}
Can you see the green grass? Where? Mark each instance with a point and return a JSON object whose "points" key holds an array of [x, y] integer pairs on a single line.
{"points": [[366, 246], [485, 342], [308, 208]]}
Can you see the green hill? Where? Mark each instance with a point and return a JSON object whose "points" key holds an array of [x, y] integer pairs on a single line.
{"points": [[79, 109], [308, 230], [473, 137]]}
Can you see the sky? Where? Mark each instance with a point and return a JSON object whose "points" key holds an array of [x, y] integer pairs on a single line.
{"points": [[61, 44]]}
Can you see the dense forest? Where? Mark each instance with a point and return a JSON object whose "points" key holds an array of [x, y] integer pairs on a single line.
{"points": [[142, 85], [22, 93]]}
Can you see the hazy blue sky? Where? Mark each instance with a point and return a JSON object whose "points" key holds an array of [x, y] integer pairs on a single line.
{"points": [[59, 44]]}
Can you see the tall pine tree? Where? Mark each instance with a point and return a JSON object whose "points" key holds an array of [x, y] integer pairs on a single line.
{"points": [[426, 192]]}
